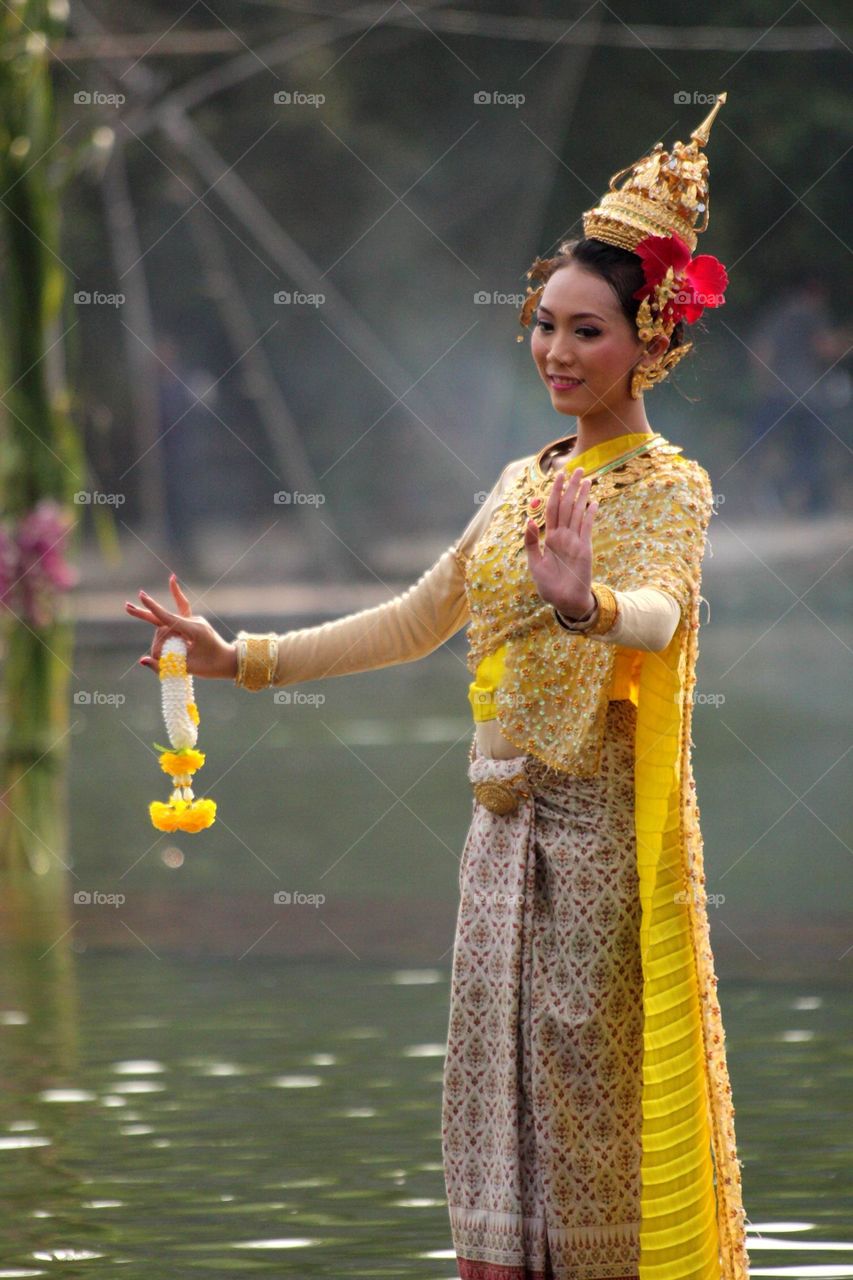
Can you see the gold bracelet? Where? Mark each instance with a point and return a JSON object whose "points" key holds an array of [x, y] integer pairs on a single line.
{"points": [[257, 660], [607, 609], [604, 611]]}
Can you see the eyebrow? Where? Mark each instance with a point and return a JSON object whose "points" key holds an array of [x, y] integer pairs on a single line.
{"points": [[579, 315]]}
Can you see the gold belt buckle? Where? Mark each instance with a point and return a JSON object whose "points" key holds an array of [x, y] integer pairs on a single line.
{"points": [[501, 798]]}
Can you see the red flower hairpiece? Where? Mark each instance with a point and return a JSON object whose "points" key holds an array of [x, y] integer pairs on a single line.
{"points": [[700, 281]]}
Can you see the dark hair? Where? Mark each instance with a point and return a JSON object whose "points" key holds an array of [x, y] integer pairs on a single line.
{"points": [[622, 270]]}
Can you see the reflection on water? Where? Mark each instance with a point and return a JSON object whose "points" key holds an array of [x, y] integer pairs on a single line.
{"points": [[273, 1118]]}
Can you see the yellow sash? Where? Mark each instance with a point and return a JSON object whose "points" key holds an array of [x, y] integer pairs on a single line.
{"points": [[692, 1217]]}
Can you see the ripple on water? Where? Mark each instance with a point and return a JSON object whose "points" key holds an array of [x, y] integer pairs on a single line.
{"points": [[67, 1095], [416, 977], [296, 1082], [137, 1067], [295, 1242]]}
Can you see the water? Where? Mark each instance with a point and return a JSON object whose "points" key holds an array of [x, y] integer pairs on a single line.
{"points": [[277, 1118], [200, 1081]]}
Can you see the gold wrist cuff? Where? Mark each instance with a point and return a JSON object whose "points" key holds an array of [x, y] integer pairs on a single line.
{"points": [[607, 609], [257, 660]]}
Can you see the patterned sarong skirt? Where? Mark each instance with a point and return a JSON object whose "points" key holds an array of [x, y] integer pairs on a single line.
{"points": [[541, 1103]]}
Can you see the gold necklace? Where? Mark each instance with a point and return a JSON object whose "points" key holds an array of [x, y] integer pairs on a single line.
{"points": [[541, 482]]}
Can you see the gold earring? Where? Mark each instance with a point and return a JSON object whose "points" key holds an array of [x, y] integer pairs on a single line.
{"points": [[639, 382]]}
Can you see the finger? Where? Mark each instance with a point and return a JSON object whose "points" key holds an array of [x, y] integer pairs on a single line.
{"points": [[589, 519], [552, 507], [165, 617], [568, 497], [531, 539], [182, 601], [574, 516], [141, 613], [151, 663]]}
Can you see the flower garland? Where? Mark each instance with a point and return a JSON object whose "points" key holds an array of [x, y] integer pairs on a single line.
{"points": [[183, 812]]}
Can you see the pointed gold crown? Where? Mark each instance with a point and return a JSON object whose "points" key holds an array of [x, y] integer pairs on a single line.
{"points": [[664, 192]]}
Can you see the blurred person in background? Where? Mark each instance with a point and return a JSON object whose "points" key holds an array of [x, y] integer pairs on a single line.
{"points": [[799, 386]]}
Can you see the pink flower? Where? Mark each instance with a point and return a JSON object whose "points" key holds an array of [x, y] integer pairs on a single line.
{"points": [[32, 564]]}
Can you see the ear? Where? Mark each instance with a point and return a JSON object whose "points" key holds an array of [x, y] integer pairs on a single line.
{"points": [[655, 349]]}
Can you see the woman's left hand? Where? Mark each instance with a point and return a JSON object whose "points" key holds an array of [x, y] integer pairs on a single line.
{"points": [[562, 569]]}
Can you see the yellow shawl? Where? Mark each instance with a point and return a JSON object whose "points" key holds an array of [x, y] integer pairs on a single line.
{"points": [[649, 530]]}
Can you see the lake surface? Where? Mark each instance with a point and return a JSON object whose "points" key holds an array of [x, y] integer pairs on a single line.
{"points": [[201, 1079], [171, 1117]]}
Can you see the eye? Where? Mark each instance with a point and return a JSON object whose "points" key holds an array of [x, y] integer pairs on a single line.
{"points": [[587, 331]]}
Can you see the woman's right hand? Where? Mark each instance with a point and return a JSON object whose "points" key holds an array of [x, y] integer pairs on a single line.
{"points": [[207, 653]]}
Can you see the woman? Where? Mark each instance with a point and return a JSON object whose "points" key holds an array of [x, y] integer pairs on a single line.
{"points": [[587, 1127]]}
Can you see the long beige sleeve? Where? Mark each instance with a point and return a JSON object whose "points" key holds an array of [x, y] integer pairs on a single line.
{"points": [[646, 618], [408, 627]]}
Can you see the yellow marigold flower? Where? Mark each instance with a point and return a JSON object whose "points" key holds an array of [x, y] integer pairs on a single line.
{"points": [[183, 815], [192, 712], [163, 816], [198, 815], [181, 762]]}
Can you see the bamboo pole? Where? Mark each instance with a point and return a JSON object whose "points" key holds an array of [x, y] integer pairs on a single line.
{"points": [[41, 459]]}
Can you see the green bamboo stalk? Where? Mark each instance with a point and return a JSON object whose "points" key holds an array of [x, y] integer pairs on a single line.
{"points": [[41, 457]]}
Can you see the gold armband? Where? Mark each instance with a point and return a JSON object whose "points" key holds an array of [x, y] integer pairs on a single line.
{"points": [[604, 611], [257, 660], [607, 609]]}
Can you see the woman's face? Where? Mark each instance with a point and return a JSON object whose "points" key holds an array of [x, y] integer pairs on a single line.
{"points": [[583, 344]]}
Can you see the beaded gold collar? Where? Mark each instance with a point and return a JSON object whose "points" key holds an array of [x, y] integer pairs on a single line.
{"points": [[539, 482]]}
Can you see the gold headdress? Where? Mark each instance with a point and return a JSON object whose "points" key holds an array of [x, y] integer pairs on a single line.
{"points": [[654, 214]]}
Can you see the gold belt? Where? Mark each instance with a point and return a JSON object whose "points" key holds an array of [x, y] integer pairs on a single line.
{"points": [[501, 797]]}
